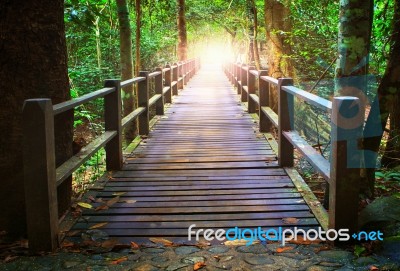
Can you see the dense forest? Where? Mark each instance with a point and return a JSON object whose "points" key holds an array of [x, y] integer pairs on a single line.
{"points": [[329, 48], [317, 44]]}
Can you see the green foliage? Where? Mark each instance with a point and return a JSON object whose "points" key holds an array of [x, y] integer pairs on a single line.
{"points": [[359, 250], [89, 172]]}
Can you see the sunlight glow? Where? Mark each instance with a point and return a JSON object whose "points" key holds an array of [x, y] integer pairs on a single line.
{"points": [[215, 53]]}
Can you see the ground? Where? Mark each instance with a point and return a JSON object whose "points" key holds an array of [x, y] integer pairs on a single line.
{"points": [[164, 255]]}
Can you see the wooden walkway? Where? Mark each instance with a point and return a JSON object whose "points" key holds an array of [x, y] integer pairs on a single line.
{"points": [[203, 163]]}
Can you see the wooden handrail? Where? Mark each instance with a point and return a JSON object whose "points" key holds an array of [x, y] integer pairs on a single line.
{"points": [[341, 170], [41, 177]]}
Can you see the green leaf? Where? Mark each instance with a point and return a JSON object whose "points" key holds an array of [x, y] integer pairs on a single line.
{"points": [[358, 250]]}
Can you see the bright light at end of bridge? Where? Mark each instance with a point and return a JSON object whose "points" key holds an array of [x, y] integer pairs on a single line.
{"points": [[215, 54]]}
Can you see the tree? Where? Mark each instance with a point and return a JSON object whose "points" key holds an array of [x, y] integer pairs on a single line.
{"points": [[386, 103], [354, 37], [182, 35], [278, 28], [138, 11], [125, 39], [253, 32], [33, 64]]}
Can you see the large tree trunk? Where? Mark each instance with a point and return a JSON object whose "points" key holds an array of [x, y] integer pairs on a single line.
{"points": [[125, 42], [387, 102], [138, 12], [33, 64], [351, 72], [278, 24], [182, 36]]}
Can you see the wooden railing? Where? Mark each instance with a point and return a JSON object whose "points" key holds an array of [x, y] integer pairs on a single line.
{"points": [[41, 177], [343, 169]]}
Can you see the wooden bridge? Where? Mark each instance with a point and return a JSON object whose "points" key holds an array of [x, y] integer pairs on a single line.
{"points": [[206, 161]]}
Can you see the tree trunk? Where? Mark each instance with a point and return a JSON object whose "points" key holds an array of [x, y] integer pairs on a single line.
{"points": [[125, 40], [138, 11], [351, 72], [387, 102], [278, 25], [33, 64], [182, 36], [254, 33]]}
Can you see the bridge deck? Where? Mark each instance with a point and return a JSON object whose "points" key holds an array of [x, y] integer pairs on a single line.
{"points": [[203, 163]]}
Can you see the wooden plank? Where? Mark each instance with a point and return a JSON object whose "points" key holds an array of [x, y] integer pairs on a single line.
{"points": [[154, 99], [199, 224], [269, 79], [71, 104], [318, 162], [255, 98], [206, 203], [132, 81], [132, 116], [198, 217], [310, 98], [67, 168], [200, 192], [272, 116], [115, 186], [198, 210], [206, 197]]}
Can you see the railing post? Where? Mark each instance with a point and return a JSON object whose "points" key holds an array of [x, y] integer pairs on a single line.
{"points": [[112, 122], [167, 83], [175, 78], [184, 73], [235, 75], [286, 122], [180, 77], [251, 81], [263, 89], [231, 72], [158, 80], [243, 79], [40, 175], [143, 101], [345, 163]]}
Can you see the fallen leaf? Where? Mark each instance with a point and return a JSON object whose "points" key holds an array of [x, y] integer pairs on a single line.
{"points": [[130, 201], [110, 243], [203, 244], [373, 268], [322, 249], [120, 260], [101, 207], [67, 244], [92, 199], [239, 242], [85, 205], [134, 246], [283, 249], [73, 233], [290, 220], [119, 193], [112, 201], [198, 265], [301, 241], [163, 241], [98, 225]]}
